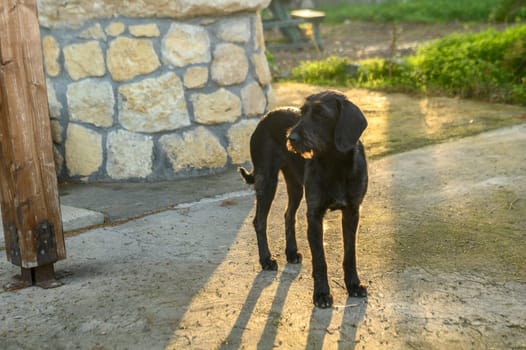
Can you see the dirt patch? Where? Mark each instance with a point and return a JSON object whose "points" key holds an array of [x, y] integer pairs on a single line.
{"points": [[358, 40]]}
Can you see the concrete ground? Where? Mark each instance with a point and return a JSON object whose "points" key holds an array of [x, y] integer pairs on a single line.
{"points": [[442, 247], [84, 206]]}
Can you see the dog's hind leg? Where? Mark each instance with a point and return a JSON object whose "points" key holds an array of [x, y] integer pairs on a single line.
{"points": [[265, 185], [295, 193], [350, 217]]}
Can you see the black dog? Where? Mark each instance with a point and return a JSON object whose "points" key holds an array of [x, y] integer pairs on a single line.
{"points": [[317, 147]]}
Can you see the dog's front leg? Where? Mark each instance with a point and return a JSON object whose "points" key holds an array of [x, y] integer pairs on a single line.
{"points": [[322, 294], [350, 217]]}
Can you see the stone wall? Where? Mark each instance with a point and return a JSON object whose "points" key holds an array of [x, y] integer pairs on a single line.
{"points": [[146, 98]]}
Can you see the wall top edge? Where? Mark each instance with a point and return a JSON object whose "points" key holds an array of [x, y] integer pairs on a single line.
{"points": [[73, 13]]}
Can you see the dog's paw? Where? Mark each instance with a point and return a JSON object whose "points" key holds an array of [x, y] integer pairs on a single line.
{"points": [[295, 258], [322, 300], [357, 291], [269, 265]]}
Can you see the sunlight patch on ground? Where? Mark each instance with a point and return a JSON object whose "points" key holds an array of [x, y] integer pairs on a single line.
{"points": [[241, 306]]}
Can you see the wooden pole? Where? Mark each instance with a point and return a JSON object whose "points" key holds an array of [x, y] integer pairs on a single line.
{"points": [[28, 184]]}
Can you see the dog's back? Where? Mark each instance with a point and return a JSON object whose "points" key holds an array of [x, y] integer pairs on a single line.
{"points": [[269, 141]]}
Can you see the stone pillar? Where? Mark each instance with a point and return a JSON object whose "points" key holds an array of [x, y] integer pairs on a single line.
{"points": [[153, 91]]}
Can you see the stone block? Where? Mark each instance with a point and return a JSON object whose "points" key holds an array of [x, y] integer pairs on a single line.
{"points": [[153, 105], [196, 77], [94, 32], [218, 107], [259, 42], [129, 155], [239, 140], [194, 149], [271, 98], [236, 30], [254, 100], [128, 58], [73, 13], [230, 65], [190, 8], [83, 150], [91, 101], [58, 160], [262, 69], [55, 107], [51, 52], [145, 30], [186, 44], [84, 60], [115, 28], [56, 131]]}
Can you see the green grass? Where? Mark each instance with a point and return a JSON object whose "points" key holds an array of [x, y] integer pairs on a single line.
{"points": [[428, 11], [489, 65]]}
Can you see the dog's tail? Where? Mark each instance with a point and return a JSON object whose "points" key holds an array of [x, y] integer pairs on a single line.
{"points": [[249, 177]]}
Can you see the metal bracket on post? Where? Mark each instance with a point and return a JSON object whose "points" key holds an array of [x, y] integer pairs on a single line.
{"points": [[45, 243], [40, 276], [43, 275]]}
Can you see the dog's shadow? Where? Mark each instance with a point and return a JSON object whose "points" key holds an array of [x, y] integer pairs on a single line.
{"points": [[353, 316], [320, 319], [263, 280], [320, 325]]}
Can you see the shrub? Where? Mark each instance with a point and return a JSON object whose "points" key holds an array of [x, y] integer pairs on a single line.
{"points": [[332, 71], [489, 65], [390, 75]]}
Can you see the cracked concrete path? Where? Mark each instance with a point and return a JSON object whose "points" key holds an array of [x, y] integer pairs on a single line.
{"points": [[442, 247]]}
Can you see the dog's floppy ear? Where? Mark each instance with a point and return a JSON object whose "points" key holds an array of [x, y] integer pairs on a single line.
{"points": [[349, 127]]}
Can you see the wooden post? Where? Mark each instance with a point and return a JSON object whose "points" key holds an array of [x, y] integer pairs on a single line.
{"points": [[28, 185]]}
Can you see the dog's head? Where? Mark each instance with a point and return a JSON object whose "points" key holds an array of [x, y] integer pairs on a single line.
{"points": [[328, 122]]}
